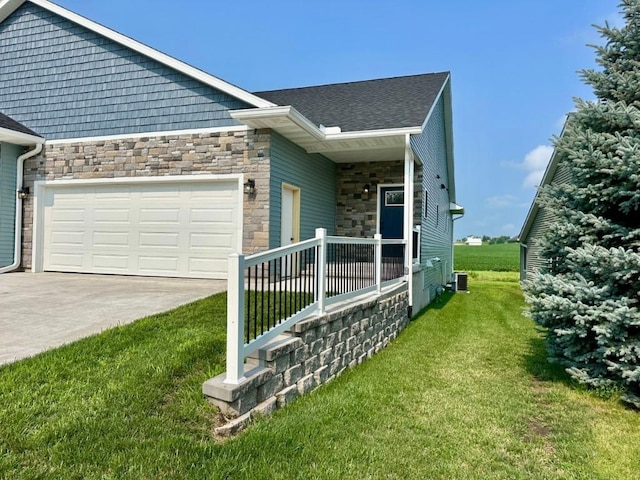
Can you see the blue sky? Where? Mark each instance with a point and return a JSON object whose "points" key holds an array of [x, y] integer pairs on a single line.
{"points": [[513, 63]]}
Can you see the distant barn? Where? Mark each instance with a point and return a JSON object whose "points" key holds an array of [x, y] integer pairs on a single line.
{"points": [[473, 241]]}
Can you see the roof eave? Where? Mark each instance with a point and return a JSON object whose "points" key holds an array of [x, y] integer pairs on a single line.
{"points": [[445, 93], [7, 7], [19, 138], [290, 123]]}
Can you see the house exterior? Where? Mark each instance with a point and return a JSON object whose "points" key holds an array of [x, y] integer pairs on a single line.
{"points": [[474, 241], [15, 139], [539, 219], [153, 167]]}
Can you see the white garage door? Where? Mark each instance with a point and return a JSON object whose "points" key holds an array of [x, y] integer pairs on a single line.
{"points": [[181, 229]]}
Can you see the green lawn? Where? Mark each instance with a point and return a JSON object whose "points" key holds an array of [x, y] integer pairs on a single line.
{"points": [[465, 392], [504, 257]]}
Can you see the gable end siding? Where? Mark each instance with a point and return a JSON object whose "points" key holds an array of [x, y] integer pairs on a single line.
{"points": [[315, 175], [436, 223], [63, 80], [543, 220], [8, 163]]}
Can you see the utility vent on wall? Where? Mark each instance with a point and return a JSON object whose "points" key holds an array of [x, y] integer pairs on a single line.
{"points": [[461, 281]]}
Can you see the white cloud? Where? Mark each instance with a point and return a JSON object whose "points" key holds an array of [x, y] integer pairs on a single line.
{"points": [[535, 162]]}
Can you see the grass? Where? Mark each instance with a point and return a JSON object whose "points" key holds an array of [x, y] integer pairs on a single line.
{"points": [[504, 257], [465, 392]]}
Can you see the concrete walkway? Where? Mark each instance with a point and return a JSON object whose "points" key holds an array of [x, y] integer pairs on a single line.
{"points": [[44, 310]]}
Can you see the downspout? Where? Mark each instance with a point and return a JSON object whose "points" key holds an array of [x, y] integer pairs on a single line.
{"points": [[453, 219], [17, 250], [408, 218]]}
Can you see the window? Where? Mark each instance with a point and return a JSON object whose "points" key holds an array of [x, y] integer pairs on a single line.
{"points": [[394, 198], [426, 204]]}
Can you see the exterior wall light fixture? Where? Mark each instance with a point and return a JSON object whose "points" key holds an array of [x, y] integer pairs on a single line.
{"points": [[250, 187], [23, 193]]}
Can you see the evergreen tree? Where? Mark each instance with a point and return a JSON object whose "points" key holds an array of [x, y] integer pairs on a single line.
{"points": [[588, 295]]}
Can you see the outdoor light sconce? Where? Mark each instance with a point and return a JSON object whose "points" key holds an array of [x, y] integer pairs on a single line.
{"points": [[365, 191], [23, 193], [250, 187], [442, 186]]}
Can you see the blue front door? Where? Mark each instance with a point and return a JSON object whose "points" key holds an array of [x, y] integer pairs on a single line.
{"points": [[391, 218]]}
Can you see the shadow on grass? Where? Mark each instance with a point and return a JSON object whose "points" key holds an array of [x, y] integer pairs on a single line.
{"points": [[437, 304], [537, 365]]}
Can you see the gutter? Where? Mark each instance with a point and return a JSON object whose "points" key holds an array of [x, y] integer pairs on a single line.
{"points": [[17, 250]]}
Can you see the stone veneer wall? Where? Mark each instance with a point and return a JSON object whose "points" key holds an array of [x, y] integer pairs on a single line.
{"points": [[314, 352], [244, 151], [356, 214]]}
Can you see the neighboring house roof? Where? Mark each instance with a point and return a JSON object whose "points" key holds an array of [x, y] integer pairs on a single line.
{"points": [[10, 124], [14, 132], [7, 7], [379, 104]]}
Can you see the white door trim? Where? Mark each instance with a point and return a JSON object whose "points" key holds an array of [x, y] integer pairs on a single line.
{"points": [[39, 188]]}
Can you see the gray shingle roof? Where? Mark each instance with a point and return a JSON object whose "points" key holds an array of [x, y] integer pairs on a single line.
{"points": [[11, 124], [367, 105]]}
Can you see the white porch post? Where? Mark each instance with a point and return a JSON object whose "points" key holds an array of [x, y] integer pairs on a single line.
{"points": [[408, 214], [378, 259], [235, 320], [321, 269]]}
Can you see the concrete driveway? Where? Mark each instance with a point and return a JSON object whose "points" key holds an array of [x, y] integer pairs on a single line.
{"points": [[39, 311]]}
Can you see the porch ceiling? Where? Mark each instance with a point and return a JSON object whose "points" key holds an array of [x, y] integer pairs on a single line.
{"points": [[341, 147]]}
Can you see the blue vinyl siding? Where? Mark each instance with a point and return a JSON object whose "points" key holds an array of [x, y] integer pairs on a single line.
{"points": [[8, 162], [437, 224], [315, 175], [65, 81]]}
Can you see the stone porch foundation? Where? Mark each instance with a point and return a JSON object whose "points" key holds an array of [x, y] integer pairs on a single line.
{"points": [[313, 353]]}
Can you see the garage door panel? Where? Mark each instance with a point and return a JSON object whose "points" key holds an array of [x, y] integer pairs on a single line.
{"points": [[210, 240], [168, 229], [159, 215], [67, 260], [115, 263], [111, 215], [213, 215], [164, 240], [70, 238], [111, 239], [68, 215], [158, 264]]}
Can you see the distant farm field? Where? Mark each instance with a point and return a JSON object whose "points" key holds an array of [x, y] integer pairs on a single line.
{"points": [[503, 257]]}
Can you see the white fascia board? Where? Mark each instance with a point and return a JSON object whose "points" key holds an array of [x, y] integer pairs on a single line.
{"points": [[445, 94], [435, 102], [168, 133], [275, 113], [9, 6], [386, 132], [19, 138]]}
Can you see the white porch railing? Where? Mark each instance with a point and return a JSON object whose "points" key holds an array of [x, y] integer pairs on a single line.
{"points": [[269, 292]]}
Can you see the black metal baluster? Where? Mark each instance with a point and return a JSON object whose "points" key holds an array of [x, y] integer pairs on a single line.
{"points": [[280, 294], [247, 314], [255, 303]]}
